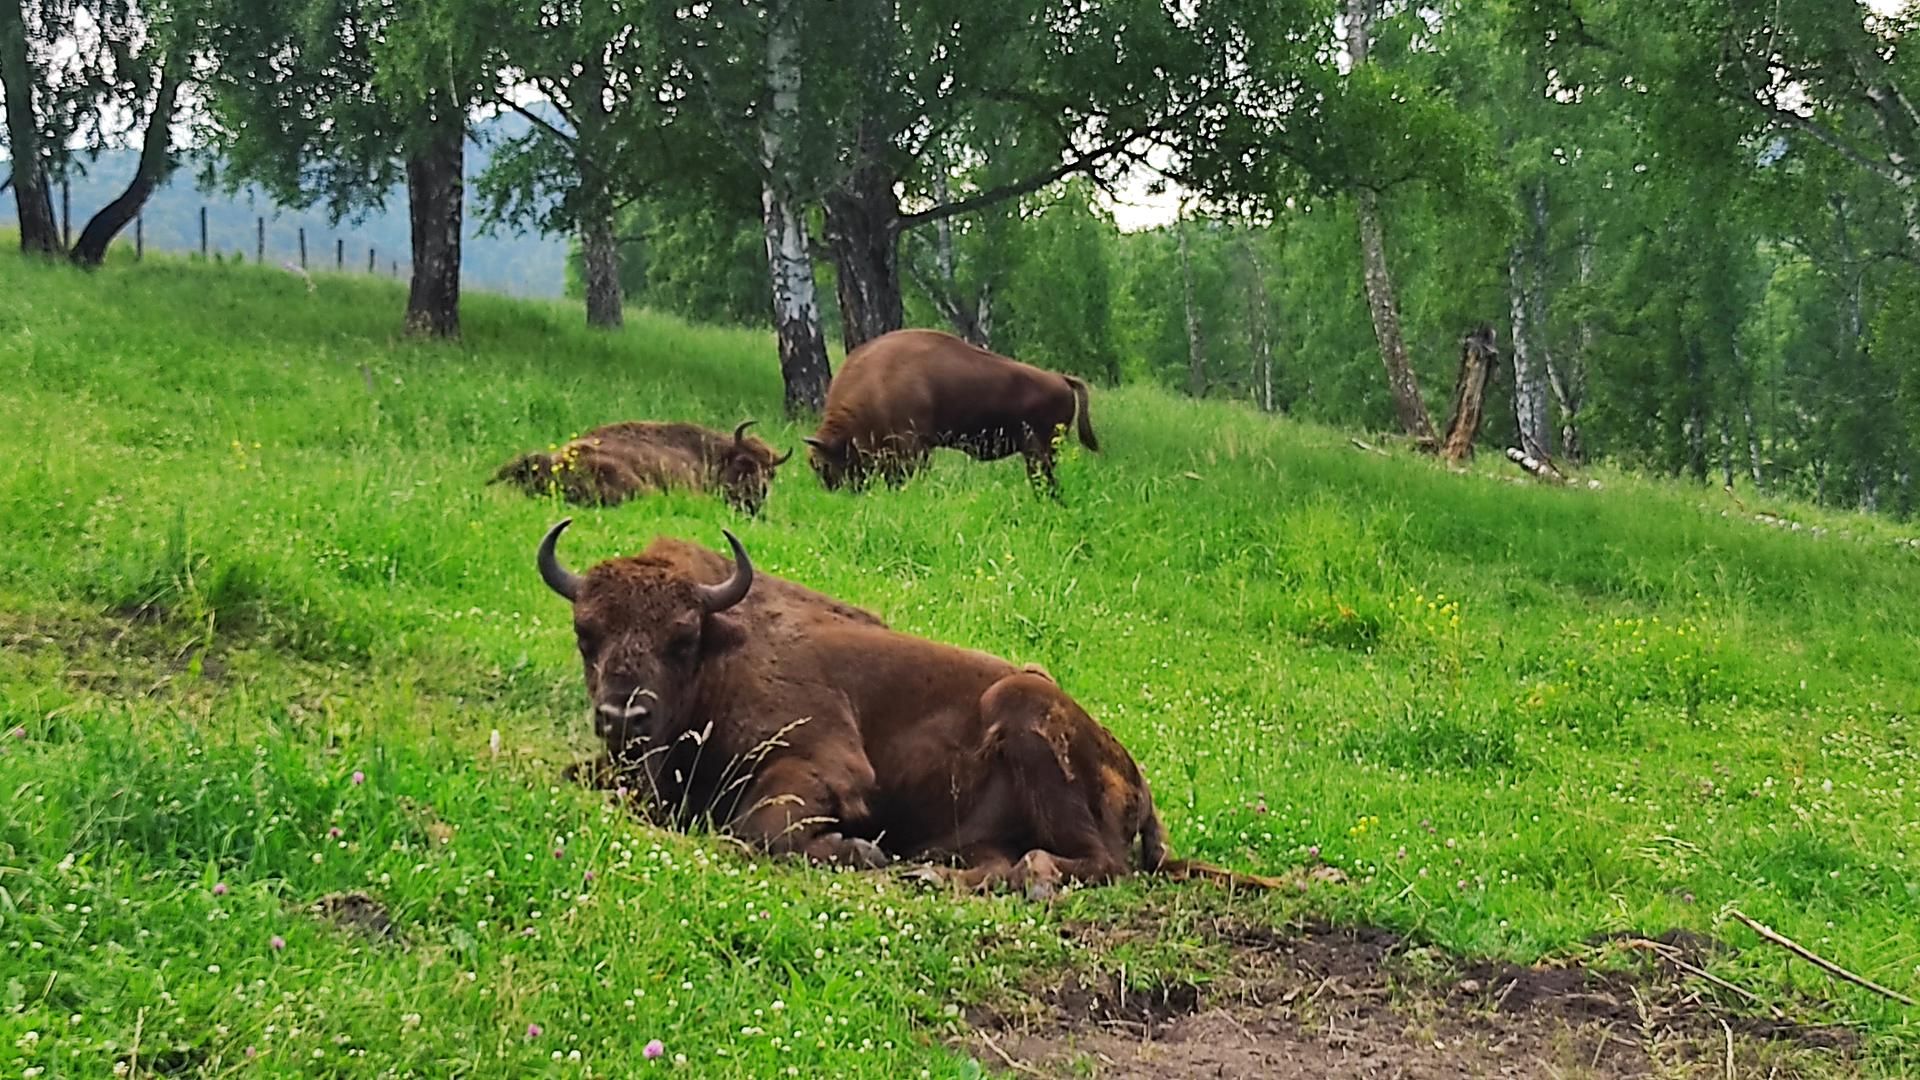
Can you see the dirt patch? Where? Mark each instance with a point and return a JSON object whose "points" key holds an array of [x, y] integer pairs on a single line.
{"points": [[1322, 1001]]}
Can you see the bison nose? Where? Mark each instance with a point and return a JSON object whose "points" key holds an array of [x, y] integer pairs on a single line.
{"points": [[629, 712]]}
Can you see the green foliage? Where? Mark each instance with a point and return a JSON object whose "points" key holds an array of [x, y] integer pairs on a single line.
{"points": [[1455, 689], [1059, 296], [699, 259]]}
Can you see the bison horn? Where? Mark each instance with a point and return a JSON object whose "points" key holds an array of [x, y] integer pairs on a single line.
{"points": [[740, 432], [813, 442], [783, 459], [718, 598], [558, 578]]}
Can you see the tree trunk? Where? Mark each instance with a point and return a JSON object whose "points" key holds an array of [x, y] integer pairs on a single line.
{"points": [[863, 235], [1538, 264], [1262, 334], [1529, 373], [1196, 349], [39, 232], [156, 161], [1570, 386], [943, 232], [1408, 405], [1746, 416], [1478, 355], [1696, 420], [435, 192], [600, 252], [796, 309], [1726, 453], [977, 325]]}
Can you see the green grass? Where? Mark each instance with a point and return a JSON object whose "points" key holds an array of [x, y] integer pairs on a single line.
{"points": [[248, 553]]}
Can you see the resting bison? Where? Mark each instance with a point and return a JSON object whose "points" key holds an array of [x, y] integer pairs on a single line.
{"points": [[808, 727], [902, 394], [611, 464]]}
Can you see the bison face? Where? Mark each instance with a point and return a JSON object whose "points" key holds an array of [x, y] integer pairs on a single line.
{"points": [[641, 630], [746, 470], [831, 461], [744, 477]]}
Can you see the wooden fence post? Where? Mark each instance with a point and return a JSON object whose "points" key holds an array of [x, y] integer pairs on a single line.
{"points": [[260, 240], [139, 237], [203, 232], [303, 247], [369, 260], [66, 213]]}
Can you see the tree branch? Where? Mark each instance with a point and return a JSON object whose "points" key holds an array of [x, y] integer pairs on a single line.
{"points": [[1080, 163], [542, 122], [1827, 136]]}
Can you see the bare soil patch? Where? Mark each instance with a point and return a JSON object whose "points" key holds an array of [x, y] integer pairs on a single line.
{"points": [[1323, 1001]]}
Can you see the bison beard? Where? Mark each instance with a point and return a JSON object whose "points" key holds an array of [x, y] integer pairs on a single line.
{"points": [[802, 725]]}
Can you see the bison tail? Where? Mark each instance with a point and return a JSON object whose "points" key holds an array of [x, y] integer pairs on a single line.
{"points": [[1082, 417]]}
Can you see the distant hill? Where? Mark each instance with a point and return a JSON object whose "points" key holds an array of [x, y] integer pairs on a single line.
{"points": [[516, 264]]}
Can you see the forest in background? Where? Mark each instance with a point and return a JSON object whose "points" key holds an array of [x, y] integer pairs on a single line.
{"points": [[1690, 228]]}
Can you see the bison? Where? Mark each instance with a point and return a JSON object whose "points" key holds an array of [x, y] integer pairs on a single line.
{"points": [[806, 726], [611, 464], [902, 394]]}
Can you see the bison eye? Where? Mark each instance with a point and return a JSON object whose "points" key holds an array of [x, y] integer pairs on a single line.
{"points": [[682, 646]]}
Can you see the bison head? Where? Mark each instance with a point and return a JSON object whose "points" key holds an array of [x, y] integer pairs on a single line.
{"points": [[746, 469], [832, 461], [642, 628]]}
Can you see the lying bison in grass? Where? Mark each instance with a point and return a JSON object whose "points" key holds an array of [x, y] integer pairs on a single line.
{"points": [[611, 464], [903, 394], [805, 726]]}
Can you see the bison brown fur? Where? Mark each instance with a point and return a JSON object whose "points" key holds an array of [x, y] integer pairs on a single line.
{"points": [[611, 464], [903, 394], [805, 726]]}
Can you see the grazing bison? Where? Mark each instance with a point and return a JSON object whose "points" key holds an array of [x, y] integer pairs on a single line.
{"points": [[611, 464], [902, 394], [808, 727]]}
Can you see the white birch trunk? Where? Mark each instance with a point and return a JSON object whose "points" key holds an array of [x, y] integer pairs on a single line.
{"points": [[796, 305], [1529, 376], [1196, 350]]}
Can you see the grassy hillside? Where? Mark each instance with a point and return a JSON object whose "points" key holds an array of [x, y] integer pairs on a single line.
{"points": [[260, 618]]}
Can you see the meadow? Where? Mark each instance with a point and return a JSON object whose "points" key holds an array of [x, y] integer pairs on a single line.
{"points": [[267, 635]]}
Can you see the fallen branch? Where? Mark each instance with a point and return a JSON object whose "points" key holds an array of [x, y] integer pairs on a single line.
{"points": [[1360, 444], [1538, 467], [1816, 960], [1672, 956]]}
